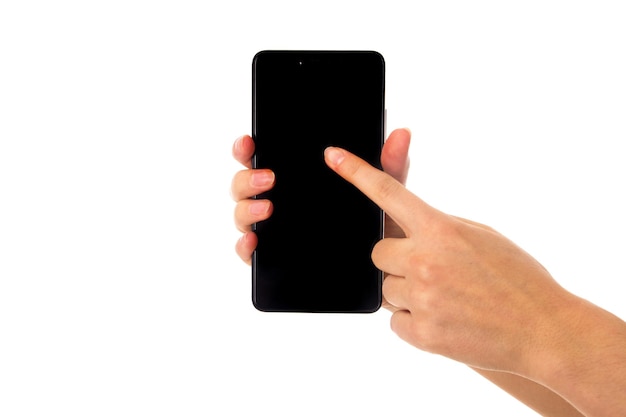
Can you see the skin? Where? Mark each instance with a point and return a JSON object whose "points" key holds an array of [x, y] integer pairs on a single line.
{"points": [[460, 289]]}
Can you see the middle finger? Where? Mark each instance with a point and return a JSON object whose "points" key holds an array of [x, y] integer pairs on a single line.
{"points": [[250, 182], [391, 254]]}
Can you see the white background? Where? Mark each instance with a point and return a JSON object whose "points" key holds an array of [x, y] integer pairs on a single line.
{"points": [[120, 292]]}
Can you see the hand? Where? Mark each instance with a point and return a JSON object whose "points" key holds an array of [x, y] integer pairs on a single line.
{"points": [[459, 288], [245, 185], [249, 182]]}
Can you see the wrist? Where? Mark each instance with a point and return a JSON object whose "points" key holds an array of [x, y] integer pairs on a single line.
{"points": [[583, 351]]}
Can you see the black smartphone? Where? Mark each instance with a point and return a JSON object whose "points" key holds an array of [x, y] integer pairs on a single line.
{"points": [[314, 252]]}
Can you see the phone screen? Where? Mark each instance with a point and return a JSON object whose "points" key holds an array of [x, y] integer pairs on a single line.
{"points": [[314, 252]]}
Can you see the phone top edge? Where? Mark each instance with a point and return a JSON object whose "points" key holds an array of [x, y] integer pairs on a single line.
{"points": [[313, 52], [316, 51]]}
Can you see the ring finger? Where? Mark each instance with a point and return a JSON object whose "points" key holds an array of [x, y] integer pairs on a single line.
{"points": [[251, 211], [393, 291]]}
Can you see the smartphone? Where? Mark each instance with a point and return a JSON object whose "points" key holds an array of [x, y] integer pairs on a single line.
{"points": [[314, 252]]}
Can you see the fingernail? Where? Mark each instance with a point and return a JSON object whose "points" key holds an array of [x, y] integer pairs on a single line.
{"points": [[334, 155], [258, 208], [262, 178]]}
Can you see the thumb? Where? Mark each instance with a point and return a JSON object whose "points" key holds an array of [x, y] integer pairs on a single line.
{"points": [[395, 154]]}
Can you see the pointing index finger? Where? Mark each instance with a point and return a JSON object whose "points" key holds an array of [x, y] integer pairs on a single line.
{"points": [[390, 195]]}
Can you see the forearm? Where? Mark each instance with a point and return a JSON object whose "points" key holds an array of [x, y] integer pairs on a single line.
{"points": [[578, 368], [586, 361], [536, 396]]}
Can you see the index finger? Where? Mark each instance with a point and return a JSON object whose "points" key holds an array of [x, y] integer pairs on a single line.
{"points": [[390, 195], [243, 149]]}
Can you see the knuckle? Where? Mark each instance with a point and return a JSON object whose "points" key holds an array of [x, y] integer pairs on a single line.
{"points": [[423, 267], [378, 252], [238, 189], [428, 337], [243, 217], [430, 272], [386, 286], [353, 169], [415, 294], [387, 188]]}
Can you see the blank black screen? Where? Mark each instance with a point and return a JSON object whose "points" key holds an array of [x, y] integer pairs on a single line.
{"points": [[314, 251]]}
